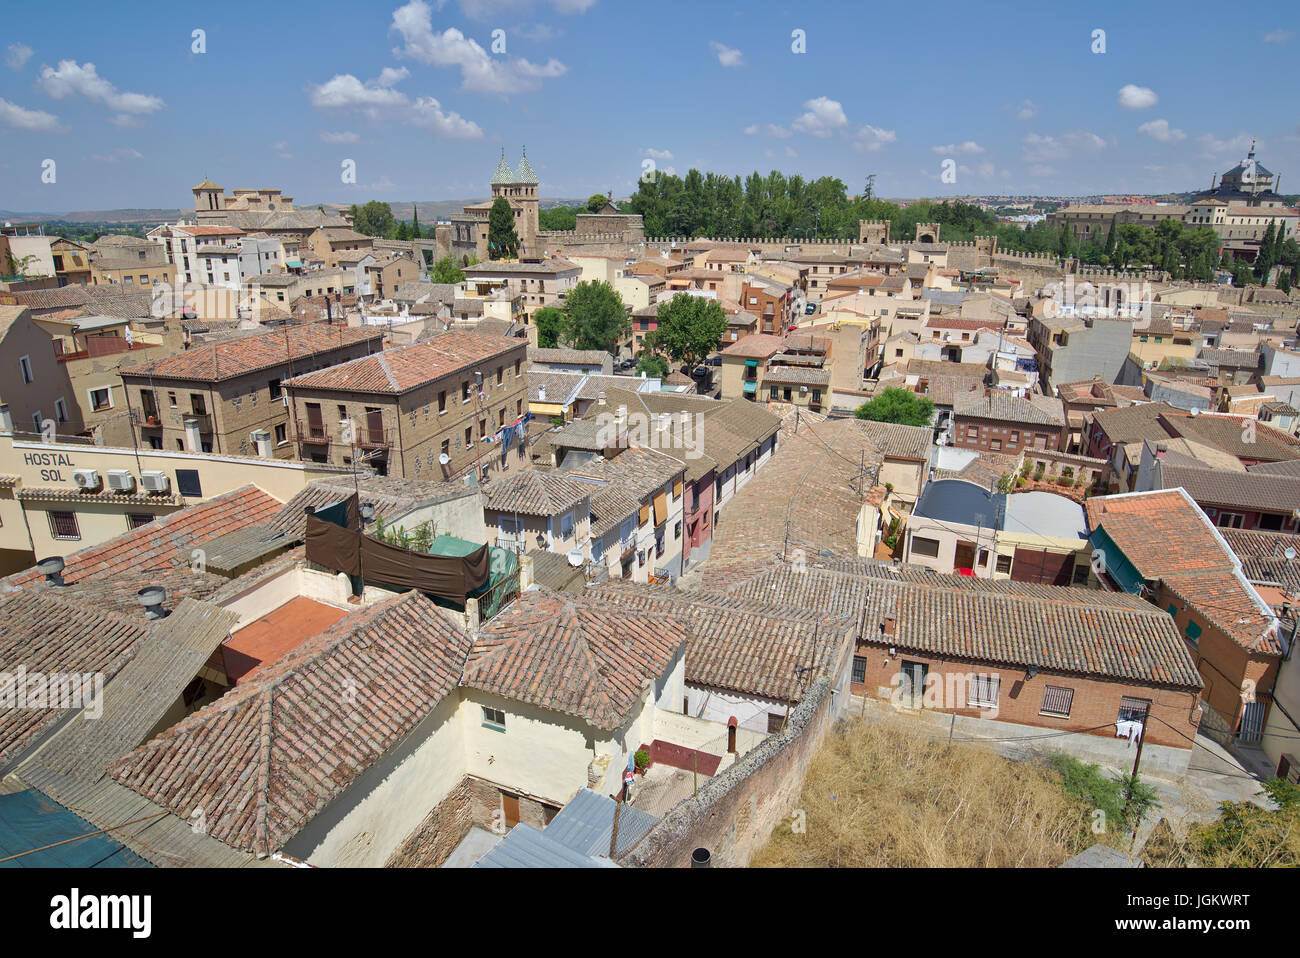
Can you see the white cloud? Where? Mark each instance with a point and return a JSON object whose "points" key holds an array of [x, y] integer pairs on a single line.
{"points": [[428, 113], [11, 114], [768, 129], [727, 56], [343, 90], [1213, 146], [967, 147], [121, 153], [657, 154], [870, 139], [789, 151], [1278, 36], [1027, 111], [538, 32], [479, 71], [344, 136], [17, 55], [986, 169], [1040, 149], [1134, 97], [823, 117], [74, 79], [376, 98], [1161, 131]]}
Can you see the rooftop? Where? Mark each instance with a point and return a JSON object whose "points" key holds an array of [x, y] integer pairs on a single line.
{"points": [[404, 368], [239, 357]]}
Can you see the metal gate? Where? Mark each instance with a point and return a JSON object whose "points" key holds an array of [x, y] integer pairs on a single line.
{"points": [[1252, 722]]}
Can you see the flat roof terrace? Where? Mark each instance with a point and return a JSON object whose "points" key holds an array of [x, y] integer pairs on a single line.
{"points": [[266, 640]]}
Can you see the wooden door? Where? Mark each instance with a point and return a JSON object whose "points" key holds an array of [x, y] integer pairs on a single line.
{"points": [[510, 804]]}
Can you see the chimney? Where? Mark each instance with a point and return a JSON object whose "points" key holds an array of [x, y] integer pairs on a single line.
{"points": [[1161, 449], [541, 394], [152, 598], [52, 569], [888, 625], [600, 398]]}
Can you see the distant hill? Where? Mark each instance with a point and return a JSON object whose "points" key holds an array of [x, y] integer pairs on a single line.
{"points": [[430, 211]]}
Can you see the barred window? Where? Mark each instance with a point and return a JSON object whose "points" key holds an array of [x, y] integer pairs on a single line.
{"points": [[1057, 701], [63, 525], [983, 690], [859, 669], [1133, 710]]}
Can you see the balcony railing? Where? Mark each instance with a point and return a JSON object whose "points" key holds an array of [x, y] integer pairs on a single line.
{"points": [[201, 419], [314, 433], [368, 438]]}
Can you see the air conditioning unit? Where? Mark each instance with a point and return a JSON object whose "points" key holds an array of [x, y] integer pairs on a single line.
{"points": [[154, 480], [119, 480], [86, 478]]}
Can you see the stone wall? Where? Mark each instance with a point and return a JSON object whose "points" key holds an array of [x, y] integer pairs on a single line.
{"points": [[733, 815]]}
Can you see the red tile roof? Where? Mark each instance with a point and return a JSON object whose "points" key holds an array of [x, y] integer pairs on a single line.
{"points": [[270, 754], [238, 357], [165, 543], [582, 659], [405, 368]]}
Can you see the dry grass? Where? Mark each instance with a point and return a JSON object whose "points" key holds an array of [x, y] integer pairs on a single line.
{"points": [[884, 795]]}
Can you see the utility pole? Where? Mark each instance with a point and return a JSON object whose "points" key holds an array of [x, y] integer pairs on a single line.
{"points": [[1133, 779]]}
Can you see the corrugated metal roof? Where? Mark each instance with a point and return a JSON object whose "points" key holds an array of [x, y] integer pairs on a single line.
{"points": [[587, 822], [526, 847]]}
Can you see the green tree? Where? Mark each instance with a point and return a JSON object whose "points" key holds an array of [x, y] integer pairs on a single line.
{"points": [[689, 328], [596, 202], [1248, 836], [503, 241], [374, 219], [652, 364], [446, 271], [415, 222], [898, 405], [594, 317], [550, 324]]}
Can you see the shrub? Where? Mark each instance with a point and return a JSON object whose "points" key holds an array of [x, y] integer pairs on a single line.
{"points": [[642, 757]]}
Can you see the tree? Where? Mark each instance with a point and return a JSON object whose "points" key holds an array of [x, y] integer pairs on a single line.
{"points": [[898, 405], [594, 317], [415, 222], [596, 202], [446, 271], [374, 219], [652, 364], [503, 241], [690, 327], [549, 322]]}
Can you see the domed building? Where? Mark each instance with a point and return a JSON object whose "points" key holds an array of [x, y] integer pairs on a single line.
{"points": [[1247, 183], [468, 235]]}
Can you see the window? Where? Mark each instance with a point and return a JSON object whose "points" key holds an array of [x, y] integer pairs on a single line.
{"points": [[281, 434], [442, 402], [25, 366], [677, 530], [100, 399], [972, 432], [1057, 701], [464, 391], [1192, 631], [1133, 710], [775, 722], [171, 398], [134, 520], [60, 410], [773, 392], [274, 386], [859, 670], [983, 691], [469, 436], [188, 484], [1004, 564], [494, 719], [63, 525], [566, 525], [925, 547], [995, 445]]}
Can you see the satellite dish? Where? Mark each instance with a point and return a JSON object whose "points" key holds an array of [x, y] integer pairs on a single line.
{"points": [[1290, 555], [444, 458], [575, 557]]}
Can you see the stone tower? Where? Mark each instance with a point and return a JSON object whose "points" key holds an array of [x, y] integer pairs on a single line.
{"points": [[873, 231], [520, 188], [208, 197], [927, 232]]}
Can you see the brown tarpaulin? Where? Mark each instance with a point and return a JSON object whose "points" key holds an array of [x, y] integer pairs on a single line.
{"points": [[448, 577]]}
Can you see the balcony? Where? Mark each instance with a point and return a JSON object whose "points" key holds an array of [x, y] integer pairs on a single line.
{"points": [[368, 438], [315, 433], [201, 420]]}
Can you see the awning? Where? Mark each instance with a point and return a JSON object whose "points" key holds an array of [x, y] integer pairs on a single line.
{"points": [[751, 362], [751, 387]]}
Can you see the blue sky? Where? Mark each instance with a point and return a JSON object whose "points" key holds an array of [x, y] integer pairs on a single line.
{"points": [[417, 96]]}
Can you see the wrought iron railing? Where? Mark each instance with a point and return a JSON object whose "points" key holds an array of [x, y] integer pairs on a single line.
{"points": [[501, 594]]}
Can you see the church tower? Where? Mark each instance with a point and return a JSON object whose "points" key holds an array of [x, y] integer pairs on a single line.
{"points": [[519, 187]]}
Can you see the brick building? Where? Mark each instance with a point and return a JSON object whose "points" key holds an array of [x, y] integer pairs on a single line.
{"points": [[456, 395], [1000, 422], [218, 397]]}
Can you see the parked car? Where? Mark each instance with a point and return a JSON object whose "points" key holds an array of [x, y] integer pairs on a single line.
{"points": [[713, 361], [810, 309]]}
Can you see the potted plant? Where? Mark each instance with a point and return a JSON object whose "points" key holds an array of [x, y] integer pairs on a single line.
{"points": [[642, 759]]}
